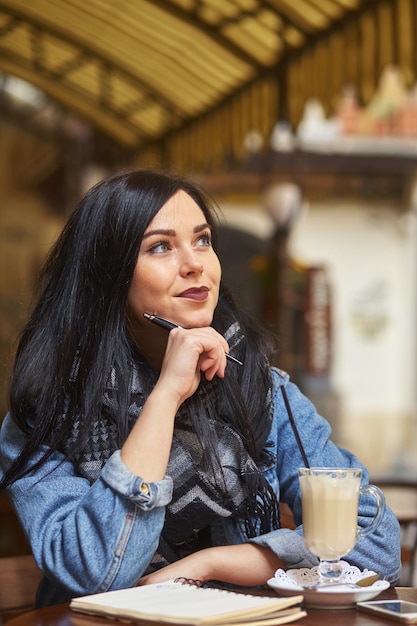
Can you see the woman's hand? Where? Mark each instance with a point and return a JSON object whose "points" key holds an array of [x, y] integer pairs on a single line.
{"points": [[246, 564], [190, 352]]}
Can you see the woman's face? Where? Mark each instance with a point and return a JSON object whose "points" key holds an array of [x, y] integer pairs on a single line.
{"points": [[177, 274]]}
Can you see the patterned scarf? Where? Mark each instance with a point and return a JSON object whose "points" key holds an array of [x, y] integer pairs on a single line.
{"points": [[205, 488]]}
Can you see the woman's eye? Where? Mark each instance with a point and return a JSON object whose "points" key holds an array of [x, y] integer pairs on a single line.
{"points": [[159, 248], [205, 240]]}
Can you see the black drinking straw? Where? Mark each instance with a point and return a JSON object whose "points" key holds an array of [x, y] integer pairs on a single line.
{"points": [[294, 427]]}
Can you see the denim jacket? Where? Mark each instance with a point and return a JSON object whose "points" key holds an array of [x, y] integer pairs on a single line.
{"points": [[93, 538]]}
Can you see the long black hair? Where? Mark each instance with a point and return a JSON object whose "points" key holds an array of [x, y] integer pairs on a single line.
{"points": [[77, 332]]}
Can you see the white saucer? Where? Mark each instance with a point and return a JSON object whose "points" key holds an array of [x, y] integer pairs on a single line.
{"points": [[290, 583]]}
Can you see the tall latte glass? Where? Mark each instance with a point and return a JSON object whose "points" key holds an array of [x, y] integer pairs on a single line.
{"points": [[330, 514]]}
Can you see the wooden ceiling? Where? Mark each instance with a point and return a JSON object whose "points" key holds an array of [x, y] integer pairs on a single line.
{"points": [[183, 81], [139, 70]]}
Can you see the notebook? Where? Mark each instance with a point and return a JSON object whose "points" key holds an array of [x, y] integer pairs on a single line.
{"points": [[174, 602]]}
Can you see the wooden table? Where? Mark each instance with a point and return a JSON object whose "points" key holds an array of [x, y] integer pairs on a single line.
{"points": [[60, 615]]}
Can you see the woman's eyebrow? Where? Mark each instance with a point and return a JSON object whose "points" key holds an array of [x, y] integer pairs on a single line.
{"points": [[160, 231], [169, 232], [201, 227]]}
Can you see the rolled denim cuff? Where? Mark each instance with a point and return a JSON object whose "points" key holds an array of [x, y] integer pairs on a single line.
{"points": [[147, 495], [288, 546]]}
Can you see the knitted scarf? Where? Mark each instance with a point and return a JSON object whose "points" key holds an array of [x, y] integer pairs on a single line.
{"points": [[205, 488]]}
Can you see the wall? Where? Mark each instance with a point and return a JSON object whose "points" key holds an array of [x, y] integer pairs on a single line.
{"points": [[370, 252]]}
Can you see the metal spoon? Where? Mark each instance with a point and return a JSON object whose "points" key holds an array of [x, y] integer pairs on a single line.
{"points": [[363, 582]]}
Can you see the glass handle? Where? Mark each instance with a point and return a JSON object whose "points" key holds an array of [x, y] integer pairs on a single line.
{"points": [[380, 498]]}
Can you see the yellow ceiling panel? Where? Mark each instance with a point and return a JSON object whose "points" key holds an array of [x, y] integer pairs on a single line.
{"points": [[263, 43], [293, 37], [126, 93], [329, 7], [18, 42], [304, 13], [154, 118], [86, 79], [271, 20]]}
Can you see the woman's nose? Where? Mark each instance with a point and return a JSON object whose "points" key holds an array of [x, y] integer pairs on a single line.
{"points": [[191, 264]]}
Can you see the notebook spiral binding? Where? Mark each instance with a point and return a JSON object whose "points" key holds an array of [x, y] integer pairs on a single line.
{"points": [[203, 584], [189, 581]]}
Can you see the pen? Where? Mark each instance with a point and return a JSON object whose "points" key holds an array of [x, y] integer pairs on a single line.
{"points": [[163, 323]]}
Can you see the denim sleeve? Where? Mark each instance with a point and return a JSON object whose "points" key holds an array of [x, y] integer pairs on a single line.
{"points": [[380, 550], [86, 538]]}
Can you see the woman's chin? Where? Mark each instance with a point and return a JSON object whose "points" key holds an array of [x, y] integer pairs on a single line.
{"points": [[197, 321]]}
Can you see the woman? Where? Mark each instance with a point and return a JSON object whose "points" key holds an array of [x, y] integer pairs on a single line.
{"points": [[132, 453]]}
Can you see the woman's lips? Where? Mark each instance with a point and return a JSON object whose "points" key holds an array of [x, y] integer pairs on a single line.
{"points": [[195, 293]]}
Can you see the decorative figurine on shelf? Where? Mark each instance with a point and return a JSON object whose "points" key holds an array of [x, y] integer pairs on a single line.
{"points": [[314, 127], [388, 100], [348, 111]]}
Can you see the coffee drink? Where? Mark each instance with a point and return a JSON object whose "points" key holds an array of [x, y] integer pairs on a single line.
{"points": [[330, 514], [330, 499]]}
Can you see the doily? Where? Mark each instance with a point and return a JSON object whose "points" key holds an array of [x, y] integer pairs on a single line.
{"points": [[307, 576]]}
